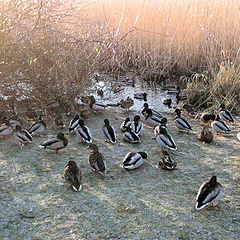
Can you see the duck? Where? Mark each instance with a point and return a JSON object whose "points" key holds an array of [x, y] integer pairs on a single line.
{"points": [[6, 130], [154, 112], [22, 136], [162, 124], [126, 123], [83, 132], [224, 114], [100, 92], [151, 119], [126, 104], [180, 96], [167, 101], [73, 176], [56, 143], [130, 136], [219, 126], [38, 127], [167, 162], [205, 135], [109, 132], [238, 136], [15, 121], [207, 117], [189, 109], [133, 160], [141, 96], [166, 140], [96, 160], [74, 123], [96, 106], [59, 121], [181, 123], [209, 193], [136, 125]]}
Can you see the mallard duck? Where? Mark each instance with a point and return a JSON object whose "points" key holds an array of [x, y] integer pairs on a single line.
{"points": [[96, 106], [167, 162], [73, 123], [22, 136], [130, 136], [126, 104], [207, 117], [166, 140], [59, 121], [133, 160], [141, 96], [189, 109], [151, 119], [238, 136], [126, 123], [154, 112], [136, 125], [224, 114], [84, 132], [96, 160], [15, 121], [38, 127], [220, 126], [180, 96], [209, 194], [181, 123], [73, 176], [172, 90], [6, 130], [100, 92], [167, 101], [163, 124], [205, 135], [109, 132], [56, 143]]}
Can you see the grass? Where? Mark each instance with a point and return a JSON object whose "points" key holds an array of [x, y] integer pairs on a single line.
{"points": [[144, 203]]}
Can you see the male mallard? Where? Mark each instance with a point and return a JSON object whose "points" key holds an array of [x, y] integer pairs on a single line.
{"points": [[136, 125], [73, 176], [109, 132], [15, 121], [167, 162], [207, 117], [96, 106], [59, 121], [220, 126], [141, 96], [96, 160], [38, 127], [56, 143], [126, 104], [6, 130], [162, 124], [126, 123], [73, 123], [209, 194], [84, 132], [130, 136], [224, 114], [205, 135], [167, 101], [180, 96], [181, 123], [22, 136], [154, 112], [151, 119], [133, 160], [166, 140]]}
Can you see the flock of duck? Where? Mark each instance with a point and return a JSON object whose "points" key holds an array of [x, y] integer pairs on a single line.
{"points": [[209, 193]]}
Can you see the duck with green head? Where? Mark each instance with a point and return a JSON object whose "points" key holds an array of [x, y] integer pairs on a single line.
{"points": [[181, 123]]}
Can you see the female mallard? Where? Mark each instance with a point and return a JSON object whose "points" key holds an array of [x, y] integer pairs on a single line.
{"points": [[136, 125], [126, 104], [6, 130], [73, 123], [38, 127], [73, 176], [22, 136], [141, 96], [181, 123], [130, 136], [166, 140], [96, 160], [154, 112], [220, 126], [167, 101], [133, 160], [56, 143], [162, 124], [59, 121], [205, 135], [109, 132], [209, 194], [207, 117], [167, 162], [152, 119], [126, 123], [224, 114], [84, 132]]}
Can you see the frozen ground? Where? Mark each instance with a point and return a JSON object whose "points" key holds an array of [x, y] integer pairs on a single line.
{"points": [[147, 203]]}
